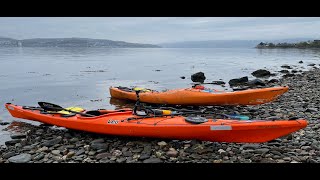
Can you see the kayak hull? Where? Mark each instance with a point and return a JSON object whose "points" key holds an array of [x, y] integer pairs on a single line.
{"points": [[215, 130], [192, 96]]}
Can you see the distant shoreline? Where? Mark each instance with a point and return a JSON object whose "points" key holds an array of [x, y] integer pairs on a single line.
{"points": [[71, 42], [315, 44]]}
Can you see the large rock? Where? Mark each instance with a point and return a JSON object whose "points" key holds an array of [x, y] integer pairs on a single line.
{"points": [[284, 71], [21, 158], [273, 81], [256, 82], [239, 81], [261, 73], [198, 77]]}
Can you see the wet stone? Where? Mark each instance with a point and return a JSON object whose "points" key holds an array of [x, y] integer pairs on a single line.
{"points": [[116, 153], [304, 153], [70, 146], [172, 153], [104, 160], [274, 144], [267, 160], [250, 146], [121, 160], [306, 148], [276, 153], [144, 156], [127, 153], [67, 135], [101, 150], [103, 155], [313, 161], [27, 148], [73, 140], [261, 150], [98, 141], [52, 142], [97, 146], [21, 158], [287, 158], [55, 152], [162, 144], [153, 160], [70, 154], [81, 151], [91, 153], [12, 142], [38, 157], [8, 155], [18, 136], [137, 150]]}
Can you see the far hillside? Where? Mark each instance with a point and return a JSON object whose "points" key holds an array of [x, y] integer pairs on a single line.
{"points": [[71, 42]]}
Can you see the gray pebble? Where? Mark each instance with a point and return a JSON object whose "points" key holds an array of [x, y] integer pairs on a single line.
{"points": [[21, 158]]}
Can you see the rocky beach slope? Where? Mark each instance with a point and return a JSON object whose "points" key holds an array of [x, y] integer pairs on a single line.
{"points": [[47, 144]]}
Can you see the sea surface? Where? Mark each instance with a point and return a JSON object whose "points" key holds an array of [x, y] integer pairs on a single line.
{"points": [[82, 76]]}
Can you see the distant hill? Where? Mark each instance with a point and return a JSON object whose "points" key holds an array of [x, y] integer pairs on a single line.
{"points": [[70, 42], [225, 43]]}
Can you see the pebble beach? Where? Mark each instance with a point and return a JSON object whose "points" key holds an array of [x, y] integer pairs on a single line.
{"points": [[49, 144]]}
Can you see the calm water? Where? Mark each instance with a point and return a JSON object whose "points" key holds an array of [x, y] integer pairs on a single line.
{"points": [[82, 76]]}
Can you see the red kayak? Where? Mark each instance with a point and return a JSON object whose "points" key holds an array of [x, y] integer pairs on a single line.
{"points": [[125, 123]]}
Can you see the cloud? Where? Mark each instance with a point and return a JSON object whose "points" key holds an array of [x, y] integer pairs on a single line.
{"points": [[160, 29]]}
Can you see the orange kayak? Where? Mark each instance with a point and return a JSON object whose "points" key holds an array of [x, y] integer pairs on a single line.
{"points": [[125, 123], [192, 96]]}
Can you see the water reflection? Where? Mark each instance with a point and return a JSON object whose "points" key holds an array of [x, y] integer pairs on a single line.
{"points": [[119, 103]]}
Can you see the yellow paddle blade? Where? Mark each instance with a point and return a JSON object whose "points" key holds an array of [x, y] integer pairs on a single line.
{"points": [[141, 89], [76, 109]]}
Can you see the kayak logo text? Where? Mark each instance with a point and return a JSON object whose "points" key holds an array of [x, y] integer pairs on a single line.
{"points": [[113, 121]]}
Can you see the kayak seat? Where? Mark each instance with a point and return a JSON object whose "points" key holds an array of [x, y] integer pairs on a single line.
{"points": [[94, 112], [135, 89], [125, 88], [68, 115]]}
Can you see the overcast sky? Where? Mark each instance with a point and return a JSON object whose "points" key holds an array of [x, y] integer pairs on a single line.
{"points": [[161, 29]]}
